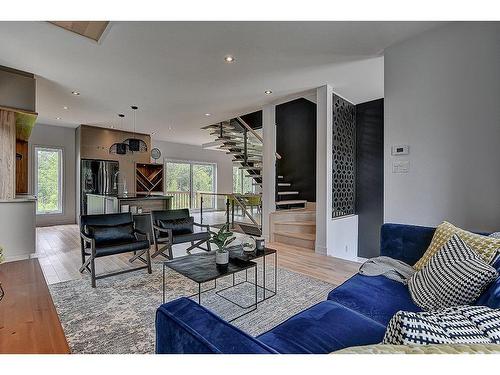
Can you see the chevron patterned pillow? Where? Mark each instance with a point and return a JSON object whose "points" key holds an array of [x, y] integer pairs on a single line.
{"points": [[454, 276]]}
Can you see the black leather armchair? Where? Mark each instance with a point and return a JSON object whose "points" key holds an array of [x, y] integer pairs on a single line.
{"points": [[172, 227], [111, 234]]}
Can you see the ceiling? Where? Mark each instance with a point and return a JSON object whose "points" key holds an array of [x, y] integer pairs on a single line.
{"points": [[175, 71]]}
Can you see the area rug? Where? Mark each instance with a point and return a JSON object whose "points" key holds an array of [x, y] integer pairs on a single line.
{"points": [[119, 315]]}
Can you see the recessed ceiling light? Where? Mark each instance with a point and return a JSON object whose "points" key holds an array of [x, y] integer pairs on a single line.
{"points": [[58, 118], [169, 128], [65, 107], [208, 114], [229, 59], [75, 93], [268, 92]]}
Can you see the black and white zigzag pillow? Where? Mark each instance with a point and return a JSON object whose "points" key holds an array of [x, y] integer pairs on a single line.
{"points": [[454, 276], [454, 325]]}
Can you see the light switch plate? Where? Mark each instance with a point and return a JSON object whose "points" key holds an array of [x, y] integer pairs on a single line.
{"points": [[401, 166]]}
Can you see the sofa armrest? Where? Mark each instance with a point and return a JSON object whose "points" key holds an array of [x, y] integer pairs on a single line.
{"points": [[405, 242], [183, 326]]}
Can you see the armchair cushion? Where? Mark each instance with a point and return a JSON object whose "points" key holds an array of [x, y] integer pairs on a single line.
{"points": [[179, 226], [105, 235], [122, 248]]}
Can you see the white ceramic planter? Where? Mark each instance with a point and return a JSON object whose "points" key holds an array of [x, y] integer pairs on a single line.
{"points": [[221, 258]]}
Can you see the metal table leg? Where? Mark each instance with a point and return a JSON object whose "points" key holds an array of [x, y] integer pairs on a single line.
{"points": [[163, 282]]}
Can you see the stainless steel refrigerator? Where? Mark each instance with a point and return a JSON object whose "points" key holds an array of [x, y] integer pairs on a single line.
{"points": [[97, 177]]}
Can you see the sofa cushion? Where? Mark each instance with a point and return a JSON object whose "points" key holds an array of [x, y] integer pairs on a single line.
{"points": [[486, 247], [183, 326], [178, 226], [454, 276], [122, 248], [105, 235], [376, 297], [321, 329], [405, 242]]}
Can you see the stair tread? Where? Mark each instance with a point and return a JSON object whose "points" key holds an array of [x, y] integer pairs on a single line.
{"points": [[288, 192], [295, 201], [284, 184], [302, 236]]}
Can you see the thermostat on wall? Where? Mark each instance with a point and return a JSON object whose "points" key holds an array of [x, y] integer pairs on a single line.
{"points": [[400, 150]]}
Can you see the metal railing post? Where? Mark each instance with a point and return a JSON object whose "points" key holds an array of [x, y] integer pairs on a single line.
{"points": [[201, 208]]}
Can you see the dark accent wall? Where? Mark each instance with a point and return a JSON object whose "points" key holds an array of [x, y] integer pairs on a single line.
{"points": [[369, 176], [296, 143], [254, 119]]}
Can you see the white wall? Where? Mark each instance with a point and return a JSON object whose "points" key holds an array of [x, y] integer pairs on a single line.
{"points": [[179, 151], [442, 98], [56, 136], [268, 166]]}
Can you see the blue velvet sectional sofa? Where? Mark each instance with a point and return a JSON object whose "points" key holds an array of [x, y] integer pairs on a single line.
{"points": [[355, 313]]}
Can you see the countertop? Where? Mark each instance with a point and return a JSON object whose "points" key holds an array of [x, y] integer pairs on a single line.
{"points": [[136, 197], [144, 197], [19, 199]]}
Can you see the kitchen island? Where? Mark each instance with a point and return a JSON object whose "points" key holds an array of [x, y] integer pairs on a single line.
{"points": [[137, 204]]}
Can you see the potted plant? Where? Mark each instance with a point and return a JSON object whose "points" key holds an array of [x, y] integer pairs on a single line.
{"points": [[221, 239]]}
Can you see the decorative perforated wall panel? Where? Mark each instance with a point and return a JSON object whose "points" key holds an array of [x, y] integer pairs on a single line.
{"points": [[344, 157]]}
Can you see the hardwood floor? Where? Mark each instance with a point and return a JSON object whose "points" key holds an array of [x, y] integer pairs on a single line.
{"points": [[58, 251], [28, 318]]}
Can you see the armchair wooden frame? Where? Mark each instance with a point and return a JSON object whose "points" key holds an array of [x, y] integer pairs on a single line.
{"points": [[89, 263], [170, 238]]}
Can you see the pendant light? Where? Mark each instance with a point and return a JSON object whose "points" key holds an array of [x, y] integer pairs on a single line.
{"points": [[120, 148], [136, 144]]}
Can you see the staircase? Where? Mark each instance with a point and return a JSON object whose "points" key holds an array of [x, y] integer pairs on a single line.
{"points": [[294, 228], [238, 139], [286, 197]]}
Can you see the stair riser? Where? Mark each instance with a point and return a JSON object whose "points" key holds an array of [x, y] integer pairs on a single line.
{"points": [[295, 228], [307, 244], [287, 216]]}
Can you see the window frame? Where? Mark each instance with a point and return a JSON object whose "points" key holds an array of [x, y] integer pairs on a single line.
{"points": [[191, 163], [61, 197]]}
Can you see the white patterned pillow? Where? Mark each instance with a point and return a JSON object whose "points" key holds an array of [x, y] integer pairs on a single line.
{"points": [[454, 325], [454, 276]]}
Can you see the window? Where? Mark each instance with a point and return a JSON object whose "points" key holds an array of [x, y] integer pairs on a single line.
{"points": [[242, 182], [48, 180], [185, 181]]}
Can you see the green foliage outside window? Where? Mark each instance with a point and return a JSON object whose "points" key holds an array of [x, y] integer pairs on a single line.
{"points": [[48, 181], [178, 183], [242, 183]]}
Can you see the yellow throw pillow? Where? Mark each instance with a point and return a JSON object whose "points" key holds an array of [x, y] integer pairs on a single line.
{"points": [[486, 247]]}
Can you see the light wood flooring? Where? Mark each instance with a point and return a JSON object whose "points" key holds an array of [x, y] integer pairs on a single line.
{"points": [[58, 250]]}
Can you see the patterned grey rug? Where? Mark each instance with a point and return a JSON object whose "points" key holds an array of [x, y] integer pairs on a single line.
{"points": [[119, 315]]}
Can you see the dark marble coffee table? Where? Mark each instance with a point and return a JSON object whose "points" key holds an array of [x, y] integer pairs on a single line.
{"points": [[201, 268]]}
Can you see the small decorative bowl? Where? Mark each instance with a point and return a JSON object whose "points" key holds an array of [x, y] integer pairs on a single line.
{"points": [[248, 244]]}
